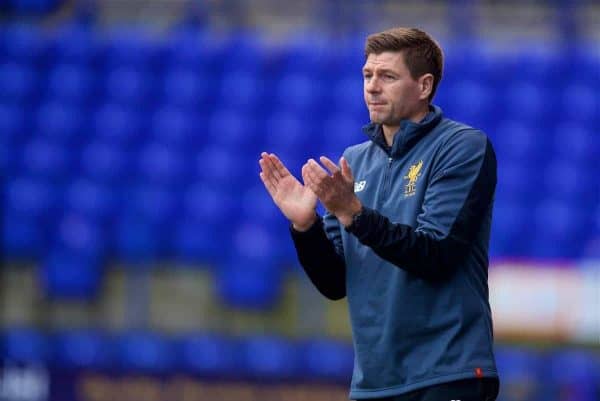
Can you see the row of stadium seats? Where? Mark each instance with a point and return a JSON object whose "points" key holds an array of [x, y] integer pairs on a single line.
{"points": [[261, 356]]}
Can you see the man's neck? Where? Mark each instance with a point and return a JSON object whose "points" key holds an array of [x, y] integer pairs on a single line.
{"points": [[390, 130]]}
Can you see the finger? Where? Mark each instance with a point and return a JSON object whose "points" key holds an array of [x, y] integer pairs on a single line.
{"points": [[309, 180], [331, 166], [346, 170], [281, 168], [316, 169], [268, 185], [268, 170], [274, 170]]}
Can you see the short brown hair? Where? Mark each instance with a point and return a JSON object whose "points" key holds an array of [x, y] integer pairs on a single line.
{"points": [[422, 54]]}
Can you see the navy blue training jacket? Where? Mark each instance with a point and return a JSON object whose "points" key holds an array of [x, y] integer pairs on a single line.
{"points": [[414, 262]]}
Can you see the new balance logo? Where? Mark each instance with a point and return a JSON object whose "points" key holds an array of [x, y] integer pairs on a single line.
{"points": [[359, 186]]}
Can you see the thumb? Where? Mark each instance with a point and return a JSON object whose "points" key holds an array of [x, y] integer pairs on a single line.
{"points": [[346, 170]]}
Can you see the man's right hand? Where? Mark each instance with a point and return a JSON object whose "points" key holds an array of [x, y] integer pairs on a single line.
{"points": [[296, 201]]}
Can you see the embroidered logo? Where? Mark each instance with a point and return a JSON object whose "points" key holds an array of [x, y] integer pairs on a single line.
{"points": [[359, 186], [414, 172]]}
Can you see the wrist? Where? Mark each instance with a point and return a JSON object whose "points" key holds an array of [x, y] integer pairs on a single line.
{"points": [[304, 226], [347, 217]]}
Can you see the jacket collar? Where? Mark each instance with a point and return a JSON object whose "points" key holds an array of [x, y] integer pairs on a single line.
{"points": [[407, 135]]}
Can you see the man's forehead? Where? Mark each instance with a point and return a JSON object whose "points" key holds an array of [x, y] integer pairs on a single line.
{"points": [[391, 60]]}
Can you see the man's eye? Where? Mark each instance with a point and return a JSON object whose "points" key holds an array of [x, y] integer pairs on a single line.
{"points": [[387, 76]]}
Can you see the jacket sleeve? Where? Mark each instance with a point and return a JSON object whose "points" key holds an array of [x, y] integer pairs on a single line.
{"points": [[459, 194], [320, 253]]}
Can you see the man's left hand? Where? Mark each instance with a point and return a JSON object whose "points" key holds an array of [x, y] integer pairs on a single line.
{"points": [[334, 187]]}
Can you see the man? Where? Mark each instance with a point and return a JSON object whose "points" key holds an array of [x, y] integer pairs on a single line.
{"points": [[406, 233]]}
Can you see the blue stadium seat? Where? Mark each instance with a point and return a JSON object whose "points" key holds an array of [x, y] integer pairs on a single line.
{"points": [[347, 96], [238, 134], [572, 182], [575, 142], [251, 277], [30, 198], [282, 131], [519, 370], [12, 123], [512, 228], [82, 349], [573, 374], [197, 241], [116, 124], [579, 102], [74, 233], [104, 162], [33, 7], [189, 89], [515, 180], [335, 133], [327, 360], [241, 90], [199, 51], [24, 345], [128, 86], [559, 230], [45, 159], [209, 355], [68, 274], [72, 83], [17, 82], [142, 352], [470, 102], [131, 47], [161, 165], [176, 129], [75, 44], [22, 237], [137, 241], [516, 140], [223, 166], [22, 43], [307, 96], [526, 102], [91, 200], [59, 122], [270, 358], [214, 205]]}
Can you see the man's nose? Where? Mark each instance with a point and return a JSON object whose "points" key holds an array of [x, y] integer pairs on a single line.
{"points": [[372, 86]]}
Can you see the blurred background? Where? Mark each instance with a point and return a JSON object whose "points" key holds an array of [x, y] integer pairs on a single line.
{"points": [[142, 258]]}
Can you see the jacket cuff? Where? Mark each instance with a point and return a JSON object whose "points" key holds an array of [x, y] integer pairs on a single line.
{"points": [[361, 223]]}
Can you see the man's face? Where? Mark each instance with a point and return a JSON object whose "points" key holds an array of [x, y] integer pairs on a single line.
{"points": [[391, 94]]}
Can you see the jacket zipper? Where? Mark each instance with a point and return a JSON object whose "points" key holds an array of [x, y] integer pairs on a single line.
{"points": [[387, 179]]}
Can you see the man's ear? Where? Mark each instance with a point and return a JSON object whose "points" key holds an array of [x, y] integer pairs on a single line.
{"points": [[425, 86]]}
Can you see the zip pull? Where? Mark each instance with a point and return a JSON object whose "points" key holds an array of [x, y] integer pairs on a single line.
{"points": [[390, 160]]}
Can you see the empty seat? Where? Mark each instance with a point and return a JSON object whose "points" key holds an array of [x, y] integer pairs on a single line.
{"points": [[72, 83], [198, 241], [161, 165], [512, 228], [104, 162], [188, 88], [45, 159], [241, 90], [176, 129], [23, 43], [23, 237], [12, 123], [68, 274], [575, 142], [91, 200], [526, 102], [232, 130], [327, 359], [269, 357], [222, 166], [298, 93], [128, 86], [60, 123], [17, 82], [25, 345], [116, 124], [75, 44], [144, 352], [559, 230], [83, 349], [31, 198], [209, 355], [579, 102], [251, 277]]}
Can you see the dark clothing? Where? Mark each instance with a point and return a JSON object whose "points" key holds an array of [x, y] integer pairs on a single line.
{"points": [[464, 390], [414, 262]]}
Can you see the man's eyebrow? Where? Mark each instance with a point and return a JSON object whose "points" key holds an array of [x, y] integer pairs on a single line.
{"points": [[382, 70]]}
